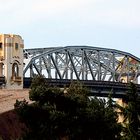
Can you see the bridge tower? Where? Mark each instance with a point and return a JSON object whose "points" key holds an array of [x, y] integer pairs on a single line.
{"points": [[11, 60]]}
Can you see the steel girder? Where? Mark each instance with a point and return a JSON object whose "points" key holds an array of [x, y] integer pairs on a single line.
{"points": [[82, 63]]}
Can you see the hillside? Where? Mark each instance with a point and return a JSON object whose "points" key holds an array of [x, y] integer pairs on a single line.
{"points": [[10, 126]]}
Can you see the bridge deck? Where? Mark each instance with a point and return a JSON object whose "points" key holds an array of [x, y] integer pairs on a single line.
{"points": [[96, 88]]}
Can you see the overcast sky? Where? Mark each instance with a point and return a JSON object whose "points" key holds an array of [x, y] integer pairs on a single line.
{"points": [[103, 23]]}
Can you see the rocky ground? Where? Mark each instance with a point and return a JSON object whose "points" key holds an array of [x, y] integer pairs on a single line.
{"points": [[9, 97]]}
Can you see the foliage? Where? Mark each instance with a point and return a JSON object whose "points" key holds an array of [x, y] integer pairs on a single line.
{"points": [[131, 114], [71, 114]]}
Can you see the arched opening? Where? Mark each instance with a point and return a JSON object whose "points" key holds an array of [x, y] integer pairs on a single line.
{"points": [[15, 70], [15, 73], [1, 69], [2, 76]]}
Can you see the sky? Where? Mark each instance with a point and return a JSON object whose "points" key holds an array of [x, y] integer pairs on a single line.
{"points": [[111, 24]]}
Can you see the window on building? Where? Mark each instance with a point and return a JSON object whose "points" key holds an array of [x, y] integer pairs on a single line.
{"points": [[15, 70], [0, 45], [16, 46], [1, 69]]}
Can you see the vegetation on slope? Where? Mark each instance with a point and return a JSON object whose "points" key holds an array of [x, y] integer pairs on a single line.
{"points": [[71, 115], [57, 114]]}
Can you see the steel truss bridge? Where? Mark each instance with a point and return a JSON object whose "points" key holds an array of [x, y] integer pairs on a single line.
{"points": [[84, 63]]}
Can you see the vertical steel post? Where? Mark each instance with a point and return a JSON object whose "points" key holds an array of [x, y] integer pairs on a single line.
{"points": [[40, 65], [66, 56], [99, 66], [56, 62], [113, 65], [128, 68], [83, 65], [49, 67]]}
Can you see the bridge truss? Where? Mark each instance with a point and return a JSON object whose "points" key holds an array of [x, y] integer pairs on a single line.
{"points": [[82, 63]]}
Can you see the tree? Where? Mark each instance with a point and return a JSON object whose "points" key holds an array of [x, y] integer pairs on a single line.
{"points": [[131, 114], [68, 113]]}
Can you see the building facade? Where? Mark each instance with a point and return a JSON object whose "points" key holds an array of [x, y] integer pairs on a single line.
{"points": [[11, 61]]}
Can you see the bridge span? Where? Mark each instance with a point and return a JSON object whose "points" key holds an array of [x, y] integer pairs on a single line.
{"points": [[82, 63], [101, 70]]}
